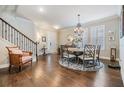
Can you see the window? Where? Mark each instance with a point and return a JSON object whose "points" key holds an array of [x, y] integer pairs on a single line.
{"points": [[98, 35], [85, 37]]}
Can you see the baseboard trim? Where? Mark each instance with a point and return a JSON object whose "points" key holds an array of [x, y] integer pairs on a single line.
{"points": [[107, 58], [7, 64], [4, 66]]}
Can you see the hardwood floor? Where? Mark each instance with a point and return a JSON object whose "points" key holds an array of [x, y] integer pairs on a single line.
{"points": [[48, 73]]}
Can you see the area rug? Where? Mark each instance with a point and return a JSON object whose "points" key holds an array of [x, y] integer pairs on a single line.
{"points": [[75, 66]]}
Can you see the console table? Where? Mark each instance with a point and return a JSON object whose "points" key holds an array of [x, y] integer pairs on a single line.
{"points": [[44, 51], [113, 63]]}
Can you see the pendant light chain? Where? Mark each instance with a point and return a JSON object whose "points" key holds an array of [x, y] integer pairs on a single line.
{"points": [[78, 18]]}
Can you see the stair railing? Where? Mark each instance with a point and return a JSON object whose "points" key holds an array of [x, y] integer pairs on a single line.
{"points": [[14, 36]]}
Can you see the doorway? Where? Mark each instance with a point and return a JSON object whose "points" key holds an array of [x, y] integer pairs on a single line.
{"points": [[51, 42]]}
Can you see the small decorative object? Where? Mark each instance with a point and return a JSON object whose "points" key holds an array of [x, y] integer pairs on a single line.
{"points": [[111, 35], [77, 41], [69, 37], [43, 38]]}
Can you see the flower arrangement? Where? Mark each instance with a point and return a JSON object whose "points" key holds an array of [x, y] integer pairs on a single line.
{"points": [[76, 40]]}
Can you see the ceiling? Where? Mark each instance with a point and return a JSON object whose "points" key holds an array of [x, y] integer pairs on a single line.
{"points": [[65, 15]]}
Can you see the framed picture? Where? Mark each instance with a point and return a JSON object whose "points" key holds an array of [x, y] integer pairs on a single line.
{"points": [[43, 38]]}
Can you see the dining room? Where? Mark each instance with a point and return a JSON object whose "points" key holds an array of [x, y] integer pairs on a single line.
{"points": [[85, 45]]}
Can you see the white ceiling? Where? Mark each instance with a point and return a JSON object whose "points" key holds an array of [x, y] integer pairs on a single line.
{"points": [[63, 15]]}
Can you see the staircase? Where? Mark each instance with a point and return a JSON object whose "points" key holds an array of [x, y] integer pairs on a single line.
{"points": [[14, 36]]}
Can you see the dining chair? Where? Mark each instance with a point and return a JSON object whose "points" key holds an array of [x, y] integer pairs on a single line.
{"points": [[65, 54], [88, 56], [98, 48]]}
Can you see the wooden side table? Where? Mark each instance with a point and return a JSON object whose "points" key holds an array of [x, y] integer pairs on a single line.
{"points": [[113, 63], [44, 51]]}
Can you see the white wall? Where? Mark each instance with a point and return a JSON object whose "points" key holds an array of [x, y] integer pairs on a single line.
{"points": [[43, 29], [122, 57], [23, 25], [4, 58], [121, 45]]}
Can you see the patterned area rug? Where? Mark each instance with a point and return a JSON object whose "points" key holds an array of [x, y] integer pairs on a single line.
{"points": [[79, 67]]}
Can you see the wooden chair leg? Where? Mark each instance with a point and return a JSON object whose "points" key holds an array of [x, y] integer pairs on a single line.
{"points": [[94, 63], [83, 64], [99, 62], [68, 63], [67, 60], [20, 68], [61, 60], [78, 61], [31, 62], [10, 68]]}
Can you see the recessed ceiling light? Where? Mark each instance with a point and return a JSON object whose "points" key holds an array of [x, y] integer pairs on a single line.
{"points": [[41, 9], [56, 27]]}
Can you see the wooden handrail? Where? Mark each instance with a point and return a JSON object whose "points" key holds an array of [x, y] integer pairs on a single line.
{"points": [[16, 30]]}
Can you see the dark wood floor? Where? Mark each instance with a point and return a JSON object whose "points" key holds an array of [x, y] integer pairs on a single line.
{"points": [[47, 72]]}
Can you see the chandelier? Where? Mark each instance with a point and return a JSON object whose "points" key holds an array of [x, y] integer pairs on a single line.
{"points": [[78, 30]]}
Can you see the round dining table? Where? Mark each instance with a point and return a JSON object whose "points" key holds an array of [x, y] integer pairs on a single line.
{"points": [[76, 51]]}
